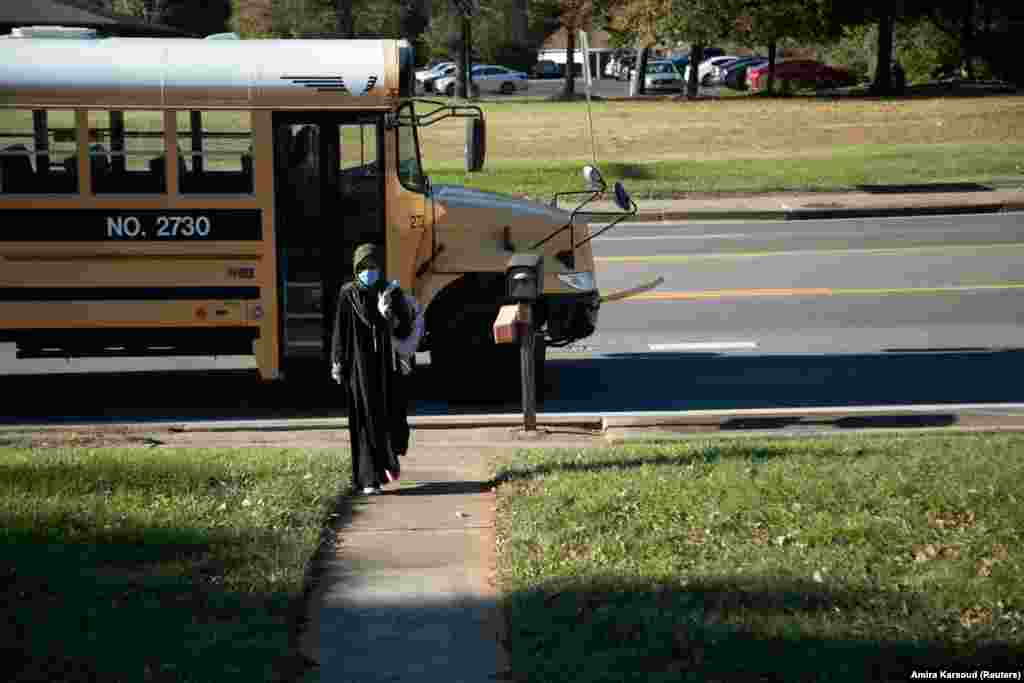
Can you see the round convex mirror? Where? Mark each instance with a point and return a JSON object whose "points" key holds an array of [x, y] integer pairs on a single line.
{"points": [[593, 178], [622, 199]]}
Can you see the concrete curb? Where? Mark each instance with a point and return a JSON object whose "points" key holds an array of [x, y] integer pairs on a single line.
{"points": [[811, 214], [594, 421], [703, 417], [626, 436]]}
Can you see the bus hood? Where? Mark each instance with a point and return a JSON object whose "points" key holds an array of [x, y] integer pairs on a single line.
{"points": [[455, 198], [472, 225]]}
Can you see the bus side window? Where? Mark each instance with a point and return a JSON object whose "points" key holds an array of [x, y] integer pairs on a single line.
{"points": [[135, 161], [16, 171], [34, 146], [219, 155]]}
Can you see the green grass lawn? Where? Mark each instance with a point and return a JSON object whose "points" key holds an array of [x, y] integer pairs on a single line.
{"points": [[843, 169], [849, 559], [158, 565]]}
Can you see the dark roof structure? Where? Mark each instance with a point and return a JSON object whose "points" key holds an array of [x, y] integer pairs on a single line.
{"points": [[19, 13]]}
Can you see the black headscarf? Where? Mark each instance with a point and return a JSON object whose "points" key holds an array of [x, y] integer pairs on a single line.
{"points": [[360, 298]]}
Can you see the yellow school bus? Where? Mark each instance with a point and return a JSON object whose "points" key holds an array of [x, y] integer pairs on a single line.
{"points": [[202, 196]]}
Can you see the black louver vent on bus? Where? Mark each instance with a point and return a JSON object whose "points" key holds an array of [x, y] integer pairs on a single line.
{"points": [[320, 83]]}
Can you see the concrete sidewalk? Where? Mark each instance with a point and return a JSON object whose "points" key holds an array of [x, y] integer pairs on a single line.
{"points": [[407, 594], [894, 201]]}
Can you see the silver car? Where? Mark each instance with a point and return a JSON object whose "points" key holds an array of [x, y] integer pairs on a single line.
{"points": [[487, 78], [662, 75]]}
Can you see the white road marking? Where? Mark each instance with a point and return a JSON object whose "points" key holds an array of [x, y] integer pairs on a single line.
{"points": [[705, 346], [721, 236]]}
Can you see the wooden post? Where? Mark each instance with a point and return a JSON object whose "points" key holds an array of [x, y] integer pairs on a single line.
{"points": [[526, 352]]}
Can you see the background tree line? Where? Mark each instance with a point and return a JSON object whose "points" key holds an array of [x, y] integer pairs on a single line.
{"points": [[932, 38]]}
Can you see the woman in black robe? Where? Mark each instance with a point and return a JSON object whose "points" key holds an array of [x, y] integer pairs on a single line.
{"points": [[363, 362]]}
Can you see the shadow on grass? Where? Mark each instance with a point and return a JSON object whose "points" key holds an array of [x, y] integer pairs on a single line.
{"points": [[87, 594], [629, 171], [733, 628], [618, 459], [104, 610]]}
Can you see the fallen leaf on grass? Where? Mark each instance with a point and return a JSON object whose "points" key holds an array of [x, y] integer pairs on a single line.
{"points": [[999, 554], [951, 520], [932, 551], [972, 616]]}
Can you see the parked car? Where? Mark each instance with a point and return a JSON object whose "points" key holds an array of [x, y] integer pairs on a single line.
{"points": [[624, 66], [441, 72], [800, 72], [546, 68], [610, 67], [736, 73], [432, 71], [487, 77], [704, 69], [662, 75]]}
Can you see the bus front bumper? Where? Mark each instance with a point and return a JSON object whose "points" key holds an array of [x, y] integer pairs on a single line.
{"points": [[571, 316]]}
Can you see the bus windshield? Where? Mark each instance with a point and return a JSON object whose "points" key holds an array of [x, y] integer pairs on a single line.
{"points": [[410, 170]]}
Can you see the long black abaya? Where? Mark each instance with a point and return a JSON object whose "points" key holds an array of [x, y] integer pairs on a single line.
{"points": [[361, 346]]}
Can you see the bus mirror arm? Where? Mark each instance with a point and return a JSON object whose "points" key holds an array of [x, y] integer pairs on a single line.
{"points": [[594, 194], [567, 257], [619, 217], [441, 112]]}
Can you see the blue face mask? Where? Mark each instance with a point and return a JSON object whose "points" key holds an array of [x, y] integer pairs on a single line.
{"points": [[368, 278]]}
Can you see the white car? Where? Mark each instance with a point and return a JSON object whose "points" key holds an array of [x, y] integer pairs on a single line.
{"points": [[704, 72], [487, 77], [424, 74], [662, 75]]}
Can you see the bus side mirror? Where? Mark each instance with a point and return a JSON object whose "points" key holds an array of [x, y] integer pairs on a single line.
{"points": [[476, 144], [622, 198]]}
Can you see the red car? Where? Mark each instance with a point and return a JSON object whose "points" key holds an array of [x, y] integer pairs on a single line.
{"points": [[801, 71]]}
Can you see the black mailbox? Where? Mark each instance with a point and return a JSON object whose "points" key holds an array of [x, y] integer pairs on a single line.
{"points": [[524, 278]]}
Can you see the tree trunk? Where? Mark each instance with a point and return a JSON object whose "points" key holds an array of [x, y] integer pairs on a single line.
{"points": [[569, 91], [883, 68], [641, 67], [696, 57], [520, 22], [345, 24], [772, 55], [967, 40], [465, 60]]}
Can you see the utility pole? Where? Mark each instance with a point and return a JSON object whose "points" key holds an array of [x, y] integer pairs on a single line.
{"points": [[464, 76]]}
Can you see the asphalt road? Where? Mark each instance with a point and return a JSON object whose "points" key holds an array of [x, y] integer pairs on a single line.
{"points": [[751, 315], [832, 286]]}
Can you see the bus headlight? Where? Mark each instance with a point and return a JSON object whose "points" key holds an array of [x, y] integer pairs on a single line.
{"points": [[582, 281]]}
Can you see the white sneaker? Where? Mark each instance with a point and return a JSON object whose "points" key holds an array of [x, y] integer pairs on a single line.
{"points": [[370, 490]]}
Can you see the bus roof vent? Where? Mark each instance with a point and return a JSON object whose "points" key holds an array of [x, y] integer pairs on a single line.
{"points": [[53, 32]]}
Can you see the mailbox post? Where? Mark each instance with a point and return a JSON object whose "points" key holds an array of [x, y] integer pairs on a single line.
{"points": [[524, 278]]}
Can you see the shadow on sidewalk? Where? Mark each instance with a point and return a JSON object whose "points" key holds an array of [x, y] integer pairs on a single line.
{"points": [[441, 488]]}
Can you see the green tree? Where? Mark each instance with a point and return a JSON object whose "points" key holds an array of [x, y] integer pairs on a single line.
{"points": [[202, 17], [884, 14], [699, 22], [768, 22], [985, 30]]}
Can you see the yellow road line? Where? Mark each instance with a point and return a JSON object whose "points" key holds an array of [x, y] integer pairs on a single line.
{"points": [[891, 251], [817, 291]]}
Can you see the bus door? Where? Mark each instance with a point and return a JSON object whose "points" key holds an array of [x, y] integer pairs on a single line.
{"points": [[329, 199]]}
